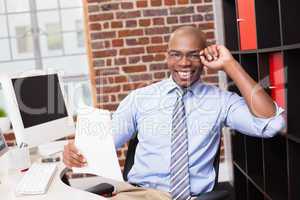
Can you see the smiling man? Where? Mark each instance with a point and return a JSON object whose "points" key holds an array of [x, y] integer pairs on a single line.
{"points": [[179, 121], [183, 55]]}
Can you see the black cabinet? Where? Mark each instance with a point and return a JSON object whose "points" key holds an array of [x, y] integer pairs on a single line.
{"points": [[289, 19], [268, 23], [268, 168], [276, 174], [294, 168], [240, 183], [230, 25], [255, 159], [239, 150], [292, 61]]}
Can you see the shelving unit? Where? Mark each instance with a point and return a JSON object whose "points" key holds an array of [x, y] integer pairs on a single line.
{"points": [[290, 13], [267, 23], [249, 62], [267, 169], [230, 25], [241, 188], [255, 159], [276, 173], [239, 152], [292, 60], [294, 166]]}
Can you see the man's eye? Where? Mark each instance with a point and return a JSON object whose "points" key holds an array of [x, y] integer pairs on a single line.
{"points": [[175, 54], [194, 56]]}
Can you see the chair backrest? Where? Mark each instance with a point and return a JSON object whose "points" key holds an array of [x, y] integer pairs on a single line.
{"points": [[129, 161], [217, 163], [130, 156]]}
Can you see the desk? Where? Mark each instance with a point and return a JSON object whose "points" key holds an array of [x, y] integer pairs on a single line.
{"points": [[57, 190]]}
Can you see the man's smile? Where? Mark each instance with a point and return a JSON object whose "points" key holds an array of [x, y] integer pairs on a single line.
{"points": [[185, 75]]}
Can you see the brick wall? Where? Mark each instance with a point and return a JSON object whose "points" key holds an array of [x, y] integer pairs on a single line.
{"points": [[127, 42]]}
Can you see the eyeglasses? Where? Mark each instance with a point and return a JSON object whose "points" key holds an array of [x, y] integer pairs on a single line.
{"points": [[177, 56]]}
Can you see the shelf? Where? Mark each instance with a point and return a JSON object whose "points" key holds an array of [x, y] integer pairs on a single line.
{"points": [[255, 159], [291, 46], [268, 50], [293, 138], [275, 155], [294, 163], [231, 85], [292, 63], [249, 63], [240, 184], [238, 145], [254, 193], [290, 27], [267, 23], [230, 25], [266, 41], [249, 179]]}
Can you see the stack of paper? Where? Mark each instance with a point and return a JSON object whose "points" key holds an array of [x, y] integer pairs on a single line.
{"points": [[95, 142]]}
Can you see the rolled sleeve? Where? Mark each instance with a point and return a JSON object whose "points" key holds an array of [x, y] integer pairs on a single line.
{"points": [[239, 117]]}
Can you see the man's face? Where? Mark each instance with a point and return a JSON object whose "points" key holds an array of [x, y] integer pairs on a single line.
{"points": [[184, 60]]}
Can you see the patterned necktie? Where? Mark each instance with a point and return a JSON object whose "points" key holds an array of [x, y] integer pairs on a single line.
{"points": [[179, 170]]}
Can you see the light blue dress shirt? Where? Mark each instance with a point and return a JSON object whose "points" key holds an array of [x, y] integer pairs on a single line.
{"points": [[148, 111]]}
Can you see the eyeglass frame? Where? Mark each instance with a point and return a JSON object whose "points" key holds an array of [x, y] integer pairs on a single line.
{"points": [[186, 55]]}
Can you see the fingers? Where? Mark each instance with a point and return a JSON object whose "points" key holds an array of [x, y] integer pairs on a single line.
{"points": [[73, 163], [72, 157], [203, 60], [210, 53], [214, 50], [205, 57]]}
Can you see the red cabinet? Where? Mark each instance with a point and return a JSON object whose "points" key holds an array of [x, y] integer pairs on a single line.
{"points": [[247, 24], [277, 78]]}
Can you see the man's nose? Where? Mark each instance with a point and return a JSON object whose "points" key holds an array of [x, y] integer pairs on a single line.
{"points": [[184, 61]]}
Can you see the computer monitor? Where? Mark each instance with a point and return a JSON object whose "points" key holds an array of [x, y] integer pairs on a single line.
{"points": [[3, 145], [37, 107]]}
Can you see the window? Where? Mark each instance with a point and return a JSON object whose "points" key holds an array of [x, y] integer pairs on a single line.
{"points": [[24, 39], [3, 29], [54, 39], [4, 43], [80, 34], [38, 34]]}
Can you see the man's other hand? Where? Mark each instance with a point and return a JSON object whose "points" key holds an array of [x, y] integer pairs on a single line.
{"points": [[216, 57], [72, 157]]}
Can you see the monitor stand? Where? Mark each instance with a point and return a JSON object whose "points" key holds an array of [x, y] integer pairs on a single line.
{"points": [[52, 148]]}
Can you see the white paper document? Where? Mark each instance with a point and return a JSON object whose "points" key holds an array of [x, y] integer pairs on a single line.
{"points": [[94, 140]]}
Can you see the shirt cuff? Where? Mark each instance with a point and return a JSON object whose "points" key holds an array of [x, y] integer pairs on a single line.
{"points": [[269, 127]]}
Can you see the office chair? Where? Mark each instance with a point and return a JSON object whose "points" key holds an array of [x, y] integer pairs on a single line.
{"points": [[105, 189]]}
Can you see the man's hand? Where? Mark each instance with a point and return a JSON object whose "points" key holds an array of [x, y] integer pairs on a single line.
{"points": [[72, 157], [216, 57]]}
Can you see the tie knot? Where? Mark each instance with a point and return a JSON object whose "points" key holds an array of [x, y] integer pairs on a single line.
{"points": [[181, 92]]}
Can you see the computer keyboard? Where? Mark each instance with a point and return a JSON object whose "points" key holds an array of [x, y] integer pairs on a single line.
{"points": [[37, 179]]}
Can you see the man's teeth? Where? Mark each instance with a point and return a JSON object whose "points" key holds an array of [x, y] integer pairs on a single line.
{"points": [[184, 75]]}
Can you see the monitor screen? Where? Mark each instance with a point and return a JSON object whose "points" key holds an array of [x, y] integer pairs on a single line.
{"points": [[2, 143], [39, 99], [3, 146]]}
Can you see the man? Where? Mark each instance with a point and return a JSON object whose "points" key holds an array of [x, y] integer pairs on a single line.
{"points": [[179, 121]]}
